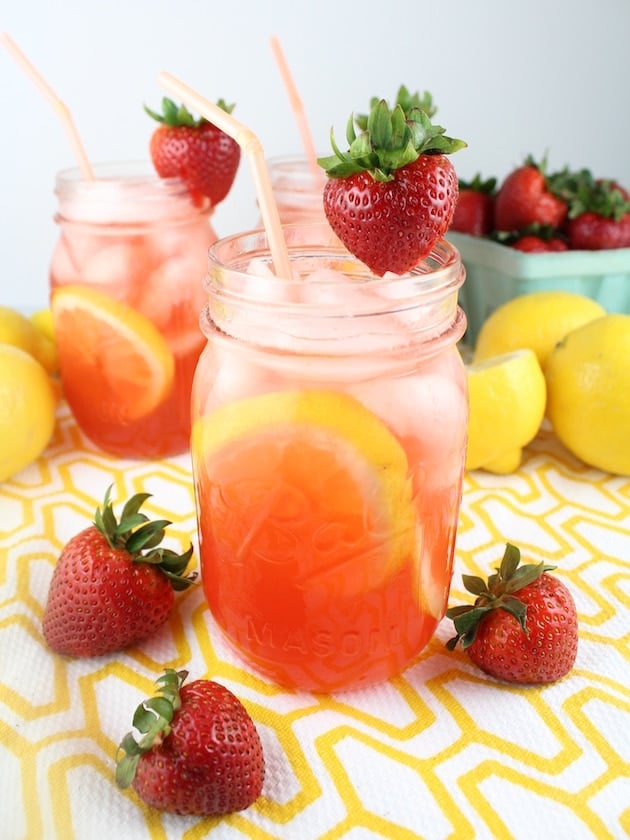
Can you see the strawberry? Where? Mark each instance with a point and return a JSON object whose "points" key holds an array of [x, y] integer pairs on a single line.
{"points": [[199, 753], [525, 197], [599, 215], [593, 232], [523, 625], [474, 211], [196, 151], [112, 585], [532, 244], [391, 196]]}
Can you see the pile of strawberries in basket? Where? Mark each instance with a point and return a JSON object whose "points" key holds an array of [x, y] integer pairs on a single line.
{"points": [[534, 211]]}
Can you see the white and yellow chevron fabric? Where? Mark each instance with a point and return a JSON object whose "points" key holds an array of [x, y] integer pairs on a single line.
{"points": [[440, 752]]}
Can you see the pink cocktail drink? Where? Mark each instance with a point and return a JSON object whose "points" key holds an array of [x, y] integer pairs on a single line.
{"points": [[130, 262], [297, 190], [329, 433]]}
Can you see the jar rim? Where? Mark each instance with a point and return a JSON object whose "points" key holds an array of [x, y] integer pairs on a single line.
{"points": [[133, 175], [442, 268], [332, 296], [134, 185]]}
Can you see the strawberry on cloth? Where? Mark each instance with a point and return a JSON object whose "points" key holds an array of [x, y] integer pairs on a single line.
{"points": [[522, 627], [198, 152], [198, 752], [113, 584], [392, 195]]}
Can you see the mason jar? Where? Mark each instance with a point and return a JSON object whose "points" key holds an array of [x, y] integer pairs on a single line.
{"points": [[297, 190], [329, 431], [126, 280]]}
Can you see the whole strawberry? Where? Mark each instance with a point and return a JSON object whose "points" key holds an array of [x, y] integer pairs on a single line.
{"points": [[532, 244], [113, 584], [522, 627], [526, 198], [391, 196], [199, 753], [196, 151], [474, 211], [599, 214]]}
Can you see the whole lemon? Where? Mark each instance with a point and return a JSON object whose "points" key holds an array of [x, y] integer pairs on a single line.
{"points": [[588, 385], [46, 342], [27, 410], [538, 321], [26, 333], [507, 396]]}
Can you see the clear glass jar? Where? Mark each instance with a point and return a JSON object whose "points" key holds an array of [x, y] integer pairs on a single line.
{"points": [[328, 446], [126, 281], [297, 190]]}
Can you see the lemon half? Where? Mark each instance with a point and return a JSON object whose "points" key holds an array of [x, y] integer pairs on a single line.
{"points": [[507, 396]]}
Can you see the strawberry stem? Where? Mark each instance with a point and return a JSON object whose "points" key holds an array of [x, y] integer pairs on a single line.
{"points": [[152, 719], [174, 115], [495, 593], [391, 139], [141, 537]]}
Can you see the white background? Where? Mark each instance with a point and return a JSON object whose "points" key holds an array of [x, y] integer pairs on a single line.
{"points": [[542, 77]]}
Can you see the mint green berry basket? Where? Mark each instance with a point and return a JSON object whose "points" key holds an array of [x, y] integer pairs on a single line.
{"points": [[496, 273]]}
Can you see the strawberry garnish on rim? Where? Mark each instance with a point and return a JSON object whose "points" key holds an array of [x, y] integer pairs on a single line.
{"points": [[195, 150], [392, 195]]}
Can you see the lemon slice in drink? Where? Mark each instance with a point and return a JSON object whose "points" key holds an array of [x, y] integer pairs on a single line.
{"points": [[310, 481], [507, 395], [109, 354]]}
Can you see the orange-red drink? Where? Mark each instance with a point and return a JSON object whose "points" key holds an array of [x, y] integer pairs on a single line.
{"points": [[329, 431], [126, 290]]}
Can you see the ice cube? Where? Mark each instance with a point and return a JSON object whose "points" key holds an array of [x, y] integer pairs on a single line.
{"points": [[172, 297], [118, 269], [427, 411]]}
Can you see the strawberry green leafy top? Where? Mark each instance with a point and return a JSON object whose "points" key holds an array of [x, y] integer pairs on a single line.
{"points": [[141, 537], [407, 101], [175, 115], [392, 139]]}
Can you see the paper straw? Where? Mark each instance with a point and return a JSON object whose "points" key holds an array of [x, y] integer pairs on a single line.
{"points": [[253, 150], [297, 107], [59, 106]]}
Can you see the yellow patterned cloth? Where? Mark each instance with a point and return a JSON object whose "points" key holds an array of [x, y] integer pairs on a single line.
{"points": [[440, 752]]}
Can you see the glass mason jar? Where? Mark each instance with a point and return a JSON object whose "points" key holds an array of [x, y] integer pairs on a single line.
{"points": [[297, 191], [126, 281], [328, 445]]}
